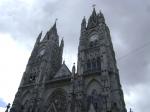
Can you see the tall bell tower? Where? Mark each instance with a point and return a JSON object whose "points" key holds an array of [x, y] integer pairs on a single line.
{"points": [[44, 62], [97, 66], [48, 85]]}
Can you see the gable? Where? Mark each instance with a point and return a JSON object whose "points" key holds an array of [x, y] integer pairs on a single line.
{"points": [[63, 71]]}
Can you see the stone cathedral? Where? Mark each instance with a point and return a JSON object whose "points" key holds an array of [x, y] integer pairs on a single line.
{"points": [[48, 85]]}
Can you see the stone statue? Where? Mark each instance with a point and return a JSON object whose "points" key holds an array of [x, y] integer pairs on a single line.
{"points": [[8, 106]]}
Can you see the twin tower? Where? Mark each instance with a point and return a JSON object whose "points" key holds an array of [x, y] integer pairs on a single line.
{"points": [[48, 85]]}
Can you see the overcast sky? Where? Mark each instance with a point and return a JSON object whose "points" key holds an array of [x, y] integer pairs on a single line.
{"points": [[22, 20]]}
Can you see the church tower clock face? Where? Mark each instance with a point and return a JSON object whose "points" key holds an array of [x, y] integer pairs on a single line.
{"points": [[94, 37], [42, 52], [93, 40]]}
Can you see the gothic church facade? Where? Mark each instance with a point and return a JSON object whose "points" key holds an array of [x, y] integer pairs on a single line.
{"points": [[48, 85]]}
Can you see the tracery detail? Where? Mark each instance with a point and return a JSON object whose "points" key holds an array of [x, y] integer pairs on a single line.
{"points": [[58, 102]]}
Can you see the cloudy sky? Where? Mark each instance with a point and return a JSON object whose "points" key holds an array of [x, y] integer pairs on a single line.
{"points": [[22, 20]]}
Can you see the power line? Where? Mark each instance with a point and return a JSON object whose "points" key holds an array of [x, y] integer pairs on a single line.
{"points": [[134, 51]]}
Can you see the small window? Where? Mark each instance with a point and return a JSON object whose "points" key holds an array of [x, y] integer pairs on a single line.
{"points": [[95, 43], [93, 64], [88, 65], [95, 105], [98, 63], [91, 44], [32, 78], [47, 37]]}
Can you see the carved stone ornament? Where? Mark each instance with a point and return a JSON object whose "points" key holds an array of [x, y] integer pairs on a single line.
{"points": [[58, 102]]}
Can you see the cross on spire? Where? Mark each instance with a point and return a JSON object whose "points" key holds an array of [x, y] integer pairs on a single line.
{"points": [[56, 20], [131, 110], [94, 5]]}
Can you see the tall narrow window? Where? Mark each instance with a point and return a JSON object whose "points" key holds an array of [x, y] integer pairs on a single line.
{"points": [[91, 44], [93, 64], [95, 105], [98, 63], [88, 65], [95, 43]]}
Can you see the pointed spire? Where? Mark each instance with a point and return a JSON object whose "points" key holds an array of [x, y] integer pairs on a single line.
{"points": [[64, 62], [101, 14], [61, 50], [83, 25], [54, 29], [92, 22], [93, 5], [94, 11], [52, 34], [55, 23], [62, 43], [73, 72], [84, 21], [38, 38], [73, 69], [40, 35], [131, 110], [101, 18], [35, 48]]}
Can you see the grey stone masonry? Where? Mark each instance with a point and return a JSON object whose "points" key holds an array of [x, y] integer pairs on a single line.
{"points": [[48, 85]]}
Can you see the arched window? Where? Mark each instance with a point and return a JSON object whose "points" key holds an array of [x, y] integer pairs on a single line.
{"points": [[95, 105], [95, 43], [93, 64], [88, 65], [94, 92], [98, 63], [47, 37], [25, 107], [91, 44], [57, 101]]}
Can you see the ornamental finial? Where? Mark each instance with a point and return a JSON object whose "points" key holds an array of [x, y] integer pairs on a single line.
{"points": [[94, 5], [131, 110], [56, 20]]}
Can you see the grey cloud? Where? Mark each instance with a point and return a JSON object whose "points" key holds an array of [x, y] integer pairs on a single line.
{"points": [[2, 103]]}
